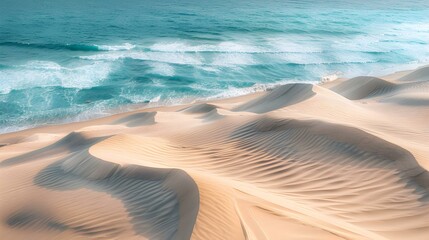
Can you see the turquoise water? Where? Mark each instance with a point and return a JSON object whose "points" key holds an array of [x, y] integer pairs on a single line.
{"points": [[78, 59]]}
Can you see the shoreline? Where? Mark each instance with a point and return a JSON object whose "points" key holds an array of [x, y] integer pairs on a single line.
{"points": [[128, 108], [131, 108]]}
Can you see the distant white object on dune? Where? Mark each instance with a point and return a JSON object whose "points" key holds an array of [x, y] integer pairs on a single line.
{"points": [[330, 77]]}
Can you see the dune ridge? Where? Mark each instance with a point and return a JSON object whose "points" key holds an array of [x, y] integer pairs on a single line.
{"points": [[346, 159]]}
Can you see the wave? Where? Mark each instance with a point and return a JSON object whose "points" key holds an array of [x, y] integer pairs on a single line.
{"points": [[70, 47], [50, 74], [223, 47], [163, 69], [125, 46], [232, 53], [283, 45], [267, 47], [233, 59], [169, 57]]}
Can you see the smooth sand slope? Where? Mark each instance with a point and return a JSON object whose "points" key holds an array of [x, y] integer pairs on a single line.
{"points": [[347, 159]]}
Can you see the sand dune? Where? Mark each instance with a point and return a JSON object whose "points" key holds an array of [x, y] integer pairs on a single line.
{"points": [[137, 119], [421, 74], [199, 108], [363, 87], [278, 98], [342, 160]]}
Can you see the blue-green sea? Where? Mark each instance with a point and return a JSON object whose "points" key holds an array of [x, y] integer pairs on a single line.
{"points": [[70, 60]]}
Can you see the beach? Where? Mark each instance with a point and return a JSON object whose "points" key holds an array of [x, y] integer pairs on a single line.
{"points": [[342, 159]]}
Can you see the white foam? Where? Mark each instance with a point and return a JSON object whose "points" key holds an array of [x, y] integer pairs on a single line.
{"points": [[125, 46], [177, 46], [301, 58], [414, 27], [156, 99], [283, 45], [49, 74], [166, 57], [353, 57], [163, 69], [104, 56], [212, 69], [182, 58], [321, 59], [225, 47], [43, 65], [232, 59], [368, 43], [238, 48]]}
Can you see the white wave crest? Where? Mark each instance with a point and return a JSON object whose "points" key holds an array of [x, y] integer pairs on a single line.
{"points": [[223, 47], [231, 60], [125, 46], [163, 69], [50, 74], [166, 57]]}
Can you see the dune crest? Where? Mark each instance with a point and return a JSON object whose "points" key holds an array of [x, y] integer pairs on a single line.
{"points": [[279, 97]]}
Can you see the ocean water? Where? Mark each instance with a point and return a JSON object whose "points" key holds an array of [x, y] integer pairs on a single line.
{"points": [[70, 60]]}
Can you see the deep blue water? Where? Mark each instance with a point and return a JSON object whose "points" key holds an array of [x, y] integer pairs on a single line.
{"points": [[68, 60]]}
